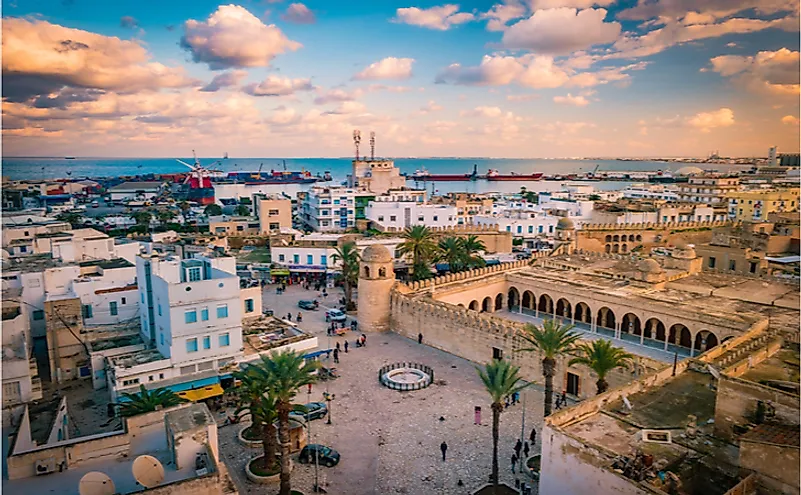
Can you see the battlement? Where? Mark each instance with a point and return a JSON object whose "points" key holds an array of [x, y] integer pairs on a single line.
{"points": [[456, 229], [656, 226], [468, 275]]}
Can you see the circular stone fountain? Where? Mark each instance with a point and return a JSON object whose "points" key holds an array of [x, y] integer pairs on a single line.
{"points": [[406, 376]]}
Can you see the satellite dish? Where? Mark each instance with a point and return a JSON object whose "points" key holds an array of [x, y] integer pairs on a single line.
{"points": [[148, 471], [96, 483]]}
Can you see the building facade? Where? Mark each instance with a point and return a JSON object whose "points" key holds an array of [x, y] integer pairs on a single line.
{"points": [[756, 205], [403, 214], [709, 189]]}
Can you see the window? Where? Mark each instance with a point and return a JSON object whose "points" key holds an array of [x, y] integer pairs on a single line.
{"points": [[150, 378], [392, 218], [309, 259], [249, 307], [323, 260], [497, 353], [420, 218], [296, 259], [194, 274], [712, 262], [225, 340], [143, 298], [380, 218], [530, 229], [159, 309], [222, 311], [190, 316], [207, 342], [519, 229], [436, 218], [753, 267], [191, 345], [188, 370], [508, 228], [550, 229], [161, 376], [161, 338], [86, 309], [274, 226], [112, 306], [539, 230], [272, 213], [281, 258], [38, 315], [23, 249], [204, 314], [732, 265]]}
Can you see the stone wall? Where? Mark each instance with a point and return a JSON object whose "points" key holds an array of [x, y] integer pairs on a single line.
{"points": [[66, 352], [494, 240], [593, 237], [737, 402], [777, 465]]}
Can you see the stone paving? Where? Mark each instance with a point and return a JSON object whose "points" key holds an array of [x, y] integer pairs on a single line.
{"points": [[390, 440]]}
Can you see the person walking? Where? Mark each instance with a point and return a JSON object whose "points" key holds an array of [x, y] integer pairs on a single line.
{"points": [[336, 356], [518, 447], [526, 449], [338, 346], [346, 347], [444, 448], [532, 437], [514, 462], [419, 338], [289, 316], [564, 398], [300, 317], [364, 340]]}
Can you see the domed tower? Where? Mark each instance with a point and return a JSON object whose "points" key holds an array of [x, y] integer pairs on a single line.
{"points": [[684, 257], [650, 271], [376, 278], [566, 234]]}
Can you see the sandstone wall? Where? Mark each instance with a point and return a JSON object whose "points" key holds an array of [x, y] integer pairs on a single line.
{"points": [[777, 465], [737, 402]]}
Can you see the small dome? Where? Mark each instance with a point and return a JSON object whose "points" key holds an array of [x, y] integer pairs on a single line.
{"points": [[376, 254], [689, 171], [684, 251], [649, 265], [565, 224]]}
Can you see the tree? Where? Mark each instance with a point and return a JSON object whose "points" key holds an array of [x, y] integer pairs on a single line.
{"points": [[165, 216], [212, 210], [531, 197], [72, 217], [142, 217], [601, 357], [418, 241], [552, 340], [283, 374], [148, 401], [451, 251], [255, 399], [349, 257], [242, 210], [501, 379], [472, 246]]}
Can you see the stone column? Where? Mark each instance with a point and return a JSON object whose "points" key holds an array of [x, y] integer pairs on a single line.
{"points": [[642, 332], [618, 327], [692, 346], [667, 336]]}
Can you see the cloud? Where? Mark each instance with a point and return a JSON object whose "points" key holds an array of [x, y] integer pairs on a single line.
{"points": [[391, 89], [278, 86], [348, 107], [790, 120], [128, 22], [67, 97], [337, 95], [430, 107], [650, 9], [578, 4], [387, 68], [490, 112], [224, 80], [232, 37], [767, 72], [527, 97], [299, 14], [578, 101], [40, 57], [705, 121], [561, 31], [441, 17], [502, 13]]}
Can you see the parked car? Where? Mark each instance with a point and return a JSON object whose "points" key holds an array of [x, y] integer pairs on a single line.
{"points": [[336, 315], [314, 410], [310, 305], [325, 455]]}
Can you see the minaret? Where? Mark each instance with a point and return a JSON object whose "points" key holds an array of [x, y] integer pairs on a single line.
{"points": [[376, 278]]}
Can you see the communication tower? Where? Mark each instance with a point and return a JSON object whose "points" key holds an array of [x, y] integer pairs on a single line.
{"points": [[357, 140], [372, 145]]}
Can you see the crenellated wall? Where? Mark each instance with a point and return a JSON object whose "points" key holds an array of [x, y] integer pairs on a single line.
{"points": [[653, 226]]}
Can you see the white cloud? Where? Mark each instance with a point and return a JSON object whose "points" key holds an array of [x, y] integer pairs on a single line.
{"points": [[278, 86], [705, 121], [430, 107], [790, 120], [441, 17], [391, 89], [579, 4], [337, 95], [233, 37], [387, 68], [299, 14], [502, 13], [224, 80], [561, 31], [767, 72], [649, 9], [578, 100], [527, 97]]}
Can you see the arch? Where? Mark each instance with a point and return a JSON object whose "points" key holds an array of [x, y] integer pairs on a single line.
{"points": [[616, 238], [528, 299], [474, 305], [606, 318], [608, 238], [563, 308], [654, 329], [486, 305], [460, 305], [705, 340], [638, 238], [499, 302], [583, 313], [631, 324], [624, 248], [616, 248], [545, 304], [631, 238], [382, 272], [726, 339], [367, 271], [608, 248], [680, 335], [513, 297]]}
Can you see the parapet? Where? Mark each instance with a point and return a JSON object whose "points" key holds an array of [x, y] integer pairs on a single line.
{"points": [[466, 275], [655, 225]]}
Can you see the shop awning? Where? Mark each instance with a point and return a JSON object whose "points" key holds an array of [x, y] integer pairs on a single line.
{"points": [[279, 272], [202, 393]]}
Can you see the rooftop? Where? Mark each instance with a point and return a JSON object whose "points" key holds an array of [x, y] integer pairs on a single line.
{"points": [[266, 332], [776, 434], [107, 264], [190, 417], [136, 186], [779, 371], [34, 263], [136, 358]]}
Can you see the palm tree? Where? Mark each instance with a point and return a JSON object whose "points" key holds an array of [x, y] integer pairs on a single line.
{"points": [[418, 241], [601, 357], [165, 216], [472, 246], [451, 251], [256, 400], [148, 401], [71, 217], [142, 217], [242, 210], [501, 379], [552, 340], [212, 210], [349, 256], [284, 373]]}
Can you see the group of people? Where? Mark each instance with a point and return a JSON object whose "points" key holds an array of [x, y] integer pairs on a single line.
{"points": [[561, 400], [512, 400], [524, 447]]}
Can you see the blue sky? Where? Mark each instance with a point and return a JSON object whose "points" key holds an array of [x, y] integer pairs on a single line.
{"points": [[531, 78]]}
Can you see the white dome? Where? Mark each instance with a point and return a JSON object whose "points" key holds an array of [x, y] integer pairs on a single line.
{"points": [[689, 171]]}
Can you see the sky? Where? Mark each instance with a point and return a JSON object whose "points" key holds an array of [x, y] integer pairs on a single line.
{"points": [[515, 79]]}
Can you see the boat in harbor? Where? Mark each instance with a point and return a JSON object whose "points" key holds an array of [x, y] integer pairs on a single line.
{"points": [[494, 175], [271, 177], [423, 175]]}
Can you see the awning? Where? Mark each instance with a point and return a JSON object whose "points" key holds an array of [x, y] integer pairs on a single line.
{"points": [[315, 354], [202, 393], [279, 272], [177, 388]]}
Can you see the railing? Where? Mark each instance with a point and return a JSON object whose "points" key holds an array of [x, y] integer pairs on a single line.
{"points": [[405, 387], [745, 487]]}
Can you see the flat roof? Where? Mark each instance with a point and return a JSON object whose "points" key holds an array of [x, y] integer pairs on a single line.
{"points": [[136, 186], [787, 435], [107, 264], [781, 367]]}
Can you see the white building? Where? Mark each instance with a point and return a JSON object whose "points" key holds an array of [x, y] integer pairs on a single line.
{"points": [[21, 382], [376, 176], [135, 191], [331, 209], [314, 253], [403, 214], [651, 191], [525, 224]]}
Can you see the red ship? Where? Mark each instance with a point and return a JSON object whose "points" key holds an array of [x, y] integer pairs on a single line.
{"points": [[199, 179], [493, 175], [424, 175]]}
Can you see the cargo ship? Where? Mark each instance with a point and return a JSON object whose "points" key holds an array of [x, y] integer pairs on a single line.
{"points": [[272, 177], [494, 175], [425, 176]]}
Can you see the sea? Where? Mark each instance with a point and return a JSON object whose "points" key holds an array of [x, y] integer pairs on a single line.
{"points": [[60, 168]]}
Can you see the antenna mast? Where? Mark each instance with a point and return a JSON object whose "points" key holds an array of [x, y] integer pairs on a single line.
{"points": [[372, 145], [357, 139]]}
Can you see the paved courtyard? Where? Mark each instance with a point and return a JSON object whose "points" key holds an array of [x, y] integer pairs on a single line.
{"points": [[389, 440]]}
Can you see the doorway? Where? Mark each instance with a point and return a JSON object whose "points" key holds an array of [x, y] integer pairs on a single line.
{"points": [[497, 353], [572, 384]]}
